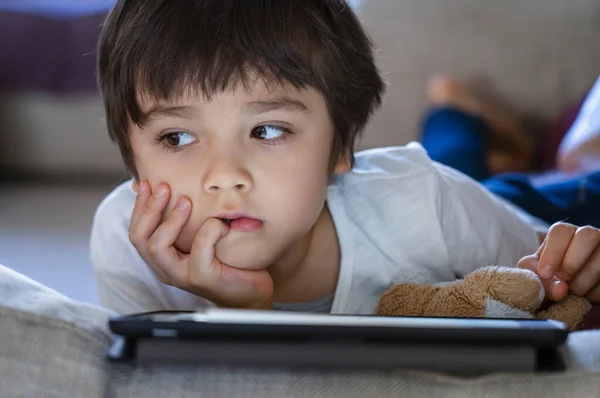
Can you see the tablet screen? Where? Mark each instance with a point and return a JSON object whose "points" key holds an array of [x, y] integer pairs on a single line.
{"points": [[255, 317]]}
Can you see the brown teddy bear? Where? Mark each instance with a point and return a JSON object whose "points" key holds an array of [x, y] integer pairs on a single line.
{"points": [[492, 292]]}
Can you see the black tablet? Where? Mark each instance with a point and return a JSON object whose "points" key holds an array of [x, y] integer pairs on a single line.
{"points": [[275, 326]]}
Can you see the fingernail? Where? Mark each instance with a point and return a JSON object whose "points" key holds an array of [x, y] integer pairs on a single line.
{"points": [[160, 191], [183, 204], [556, 289], [143, 189], [546, 271]]}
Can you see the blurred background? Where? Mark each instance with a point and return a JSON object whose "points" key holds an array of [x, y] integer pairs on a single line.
{"points": [[57, 163]]}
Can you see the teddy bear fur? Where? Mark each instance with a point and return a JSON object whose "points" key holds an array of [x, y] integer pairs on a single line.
{"points": [[493, 292]]}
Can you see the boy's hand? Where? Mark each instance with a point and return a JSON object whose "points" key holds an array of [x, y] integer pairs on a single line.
{"points": [[568, 261], [199, 272]]}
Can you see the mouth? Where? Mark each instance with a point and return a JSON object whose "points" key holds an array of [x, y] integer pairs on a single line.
{"points": [[240, 222]]}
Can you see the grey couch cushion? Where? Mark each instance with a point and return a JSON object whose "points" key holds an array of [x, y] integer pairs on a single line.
{"points": [[51, 346], [42, 356], [47, 357]]}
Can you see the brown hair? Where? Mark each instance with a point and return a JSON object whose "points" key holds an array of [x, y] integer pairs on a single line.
{"points": [[162, 49]]}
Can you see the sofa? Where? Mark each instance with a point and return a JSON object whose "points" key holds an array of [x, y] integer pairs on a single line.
{"points": [[54, 347], [540, 56]]}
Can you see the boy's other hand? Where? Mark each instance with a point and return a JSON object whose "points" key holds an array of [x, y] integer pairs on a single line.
{"points": [[568, 261], [199, 272]]}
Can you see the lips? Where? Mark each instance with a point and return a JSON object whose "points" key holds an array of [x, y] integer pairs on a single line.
{"points": [[240, 222]]}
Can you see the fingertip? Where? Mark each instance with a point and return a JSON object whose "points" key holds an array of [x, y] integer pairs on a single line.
{"points": [[559, 290], [224, 228], [183, 204]]}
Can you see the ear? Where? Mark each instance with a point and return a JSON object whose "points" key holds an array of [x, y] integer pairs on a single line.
{"points": [[343, 164], [135, 185]]}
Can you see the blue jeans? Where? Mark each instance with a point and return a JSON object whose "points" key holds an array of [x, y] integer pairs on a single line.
{"points": [[458, 139]]}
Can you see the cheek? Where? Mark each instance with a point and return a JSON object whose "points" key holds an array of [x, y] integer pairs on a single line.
{"points": [[296, 195]]}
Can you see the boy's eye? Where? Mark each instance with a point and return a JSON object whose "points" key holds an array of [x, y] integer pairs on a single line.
{"points": [[268, 132], [178, 139]]}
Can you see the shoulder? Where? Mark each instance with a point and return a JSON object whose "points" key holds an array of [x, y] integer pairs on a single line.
{"points": [[114, 212], [396, 174], [385, 211], [392, 195], [390, 162]]}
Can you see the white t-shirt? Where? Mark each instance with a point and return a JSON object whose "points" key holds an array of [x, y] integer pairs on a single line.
{"points": [[399, 218]]}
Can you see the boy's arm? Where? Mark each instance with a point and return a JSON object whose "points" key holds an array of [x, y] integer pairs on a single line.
{"points": [[480, 229]]}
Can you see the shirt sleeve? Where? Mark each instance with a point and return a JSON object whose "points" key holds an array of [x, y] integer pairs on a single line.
{"points": [[478, 228], [125, 284]]}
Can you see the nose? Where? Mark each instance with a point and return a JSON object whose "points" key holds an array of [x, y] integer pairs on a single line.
{"points": [[227, 172]]}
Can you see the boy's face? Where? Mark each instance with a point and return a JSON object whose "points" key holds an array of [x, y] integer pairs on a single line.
{"points": [[258, 152]]}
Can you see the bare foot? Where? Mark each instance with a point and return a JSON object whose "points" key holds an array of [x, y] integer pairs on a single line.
{"points": [[509, 149]]}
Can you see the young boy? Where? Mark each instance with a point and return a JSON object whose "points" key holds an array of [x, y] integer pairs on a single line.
{"points": [[238, 121]]}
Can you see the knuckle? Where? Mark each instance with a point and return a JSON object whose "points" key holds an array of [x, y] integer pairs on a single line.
{"points": [[153, 246], [200, 240], [528, 262], [589, 233], [194, 281], [135, 238], [563, 226]]}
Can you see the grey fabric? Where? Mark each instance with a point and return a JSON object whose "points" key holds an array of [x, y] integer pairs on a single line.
{"points": [[50, 345], [46, 357], [55, 347], [320, 306], [198, 382], [20, 292]]}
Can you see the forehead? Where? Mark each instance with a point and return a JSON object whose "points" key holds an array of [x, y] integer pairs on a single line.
{"points": [[239, 94]]}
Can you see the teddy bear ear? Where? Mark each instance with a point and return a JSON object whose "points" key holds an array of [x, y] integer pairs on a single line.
{"points": [[406, 300]]}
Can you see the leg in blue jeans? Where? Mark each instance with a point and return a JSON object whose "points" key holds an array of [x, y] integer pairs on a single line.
{"points": [[458, 139]]}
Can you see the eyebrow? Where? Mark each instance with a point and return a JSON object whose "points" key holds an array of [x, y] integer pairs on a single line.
{"points": [[276, 104], [160, 111]]}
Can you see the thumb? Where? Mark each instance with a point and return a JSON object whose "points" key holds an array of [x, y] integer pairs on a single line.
{"points": [[555, 289]]}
